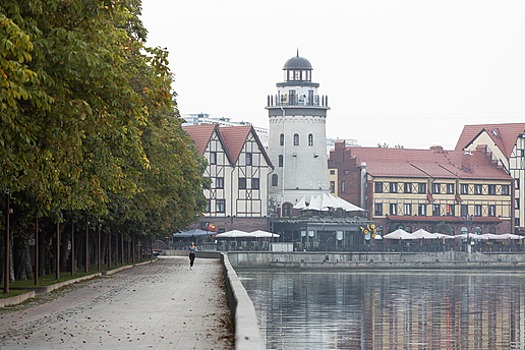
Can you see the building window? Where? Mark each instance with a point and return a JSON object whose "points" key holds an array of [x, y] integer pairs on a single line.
{"points": [[436, 210], [464, 188], [478, 189], [378, 209], [296, 139], [492, 189], [492, 210], [450, 188], [281, 160], [332, 172], [436, 188], [422, 210], [378, 187], [213, 158], [393, 209], [451, 210], [310, 140], [477, 210], [517, 222], [421, 188], [332, 186], [208, 206], [407, 187], [248, 159], [219, 182], [393, 187], [464, 210], [407, 209], [255, 183], [505, 190], [220, 206], [281, 140], [275, 180], [516, 203], [242, 183], [517, 184], [343, 186]]}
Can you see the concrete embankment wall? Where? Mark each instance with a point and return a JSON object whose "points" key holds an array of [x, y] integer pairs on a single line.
{"points": [[377, 260], [247, 333]]}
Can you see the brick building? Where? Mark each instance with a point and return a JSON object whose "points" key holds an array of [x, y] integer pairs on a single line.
{"points": [[413, 189]]}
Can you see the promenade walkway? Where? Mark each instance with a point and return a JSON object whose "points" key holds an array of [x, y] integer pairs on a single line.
{"points": [[162, 305]]}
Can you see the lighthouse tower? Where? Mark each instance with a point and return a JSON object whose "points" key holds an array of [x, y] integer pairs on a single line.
{"points": [[297, 137]]}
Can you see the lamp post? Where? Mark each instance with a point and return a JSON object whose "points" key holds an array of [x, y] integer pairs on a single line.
{"points": [[467, 220]]}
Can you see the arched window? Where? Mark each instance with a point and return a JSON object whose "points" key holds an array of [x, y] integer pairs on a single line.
{"points": [[275, 180], [296, 139], [281, 140], [310, 140], [287, 209], [281, 160]]}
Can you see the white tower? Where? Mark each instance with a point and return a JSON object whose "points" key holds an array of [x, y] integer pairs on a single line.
{"points": [[297, 136]]}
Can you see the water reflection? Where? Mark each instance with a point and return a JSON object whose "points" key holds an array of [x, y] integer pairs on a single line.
{"points": [[371, 310]]}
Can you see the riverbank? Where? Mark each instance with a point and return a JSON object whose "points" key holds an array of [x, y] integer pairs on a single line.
{"points": [[377, 260]]}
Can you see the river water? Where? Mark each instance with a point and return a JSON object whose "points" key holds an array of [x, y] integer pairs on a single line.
{"points": [[392, 310]]}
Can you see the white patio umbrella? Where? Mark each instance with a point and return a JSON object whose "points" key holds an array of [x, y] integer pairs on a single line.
{"points": [[442, 235], [472, 236], [424, 234], [511, 236], [263, 234], [399, 234], [492, 236], [233, 234]]}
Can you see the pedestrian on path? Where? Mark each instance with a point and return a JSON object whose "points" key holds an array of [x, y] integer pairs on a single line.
{"points": [[192, 249]]}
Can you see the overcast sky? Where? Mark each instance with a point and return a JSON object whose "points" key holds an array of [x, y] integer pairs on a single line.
{"points": [[408, 72]]}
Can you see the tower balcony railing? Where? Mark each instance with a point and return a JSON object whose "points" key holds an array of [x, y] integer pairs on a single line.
{"points": [[297, 101]]}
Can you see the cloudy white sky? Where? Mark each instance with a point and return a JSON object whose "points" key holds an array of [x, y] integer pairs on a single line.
{"points": [[408, 72]]}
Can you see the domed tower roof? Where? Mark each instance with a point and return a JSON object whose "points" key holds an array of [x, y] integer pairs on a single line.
{"points": [[297, 63]]}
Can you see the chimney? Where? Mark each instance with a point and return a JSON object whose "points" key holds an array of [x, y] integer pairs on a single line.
{"points": [[466, 160]]}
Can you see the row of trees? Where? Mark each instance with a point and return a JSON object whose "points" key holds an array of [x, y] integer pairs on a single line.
{"points": [[90, 135]]}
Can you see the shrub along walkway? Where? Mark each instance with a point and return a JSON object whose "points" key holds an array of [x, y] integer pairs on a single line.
{"points": [[162, 305]]}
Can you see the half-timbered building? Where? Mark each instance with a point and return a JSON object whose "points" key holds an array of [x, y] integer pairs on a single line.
{"points": [[238, 167], [413, 189], [504, 144]]}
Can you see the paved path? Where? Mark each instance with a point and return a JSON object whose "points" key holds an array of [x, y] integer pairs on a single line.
{"points": [[162, 305]]}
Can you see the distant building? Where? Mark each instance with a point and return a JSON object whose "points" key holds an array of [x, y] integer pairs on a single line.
{"points": [[238, 167], [504, 144], [413, 189]]}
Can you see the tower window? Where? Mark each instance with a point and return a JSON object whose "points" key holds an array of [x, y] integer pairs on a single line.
{"points": [[281, 160], [310, 140], [281, 140], [275, 180], [296, 139]]}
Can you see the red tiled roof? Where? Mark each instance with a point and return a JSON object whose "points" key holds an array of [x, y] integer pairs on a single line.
{"points": [[233, 139], [503, 135], [200, 134], [418, 163]]}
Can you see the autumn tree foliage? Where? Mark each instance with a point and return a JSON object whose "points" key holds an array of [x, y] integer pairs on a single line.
{"points": [[90, 135]]}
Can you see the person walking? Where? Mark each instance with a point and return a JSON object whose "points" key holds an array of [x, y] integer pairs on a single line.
{"points": [[192, 249]]}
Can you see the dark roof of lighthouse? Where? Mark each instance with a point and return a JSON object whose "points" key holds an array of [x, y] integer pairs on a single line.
{"points": [[297, 63]]}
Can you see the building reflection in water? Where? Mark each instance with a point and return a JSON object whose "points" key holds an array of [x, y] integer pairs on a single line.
{"points": [[404, 310]]}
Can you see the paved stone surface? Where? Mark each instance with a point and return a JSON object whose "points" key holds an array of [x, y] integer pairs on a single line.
{"points": [[162, 305]]}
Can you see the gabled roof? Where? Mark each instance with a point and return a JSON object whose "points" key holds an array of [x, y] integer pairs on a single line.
{"points": [[503, 135], [232, 138], [418, 163], [201, 135]]}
